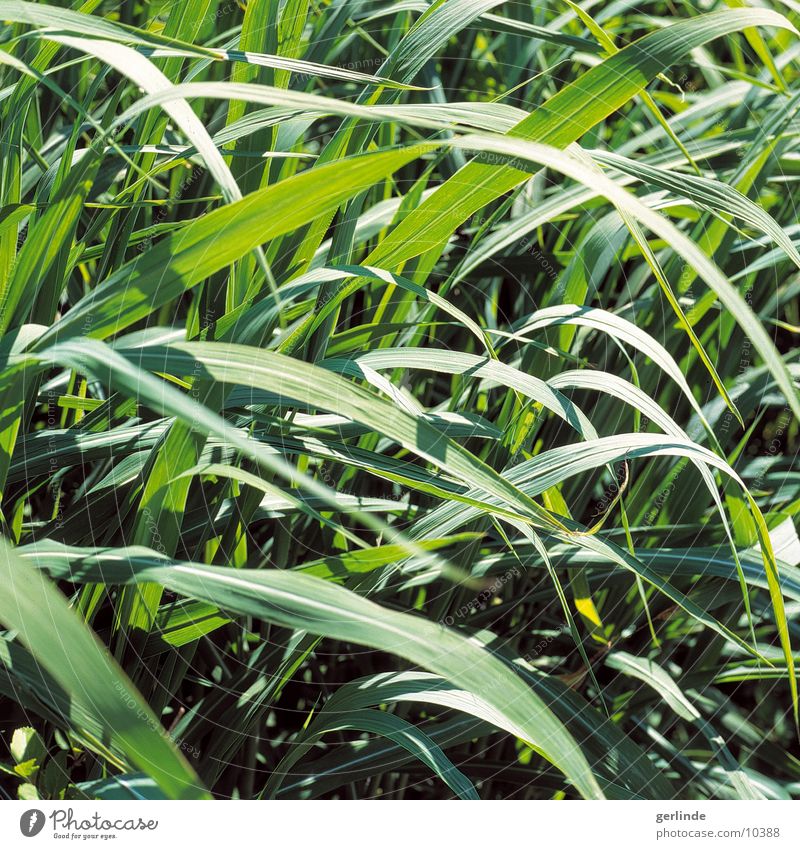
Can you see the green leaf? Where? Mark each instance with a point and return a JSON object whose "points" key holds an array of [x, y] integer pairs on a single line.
{"points": [[306, 603], [76, 659]]}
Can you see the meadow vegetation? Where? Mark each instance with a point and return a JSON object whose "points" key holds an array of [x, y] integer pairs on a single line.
{"points": [[399, 399]]}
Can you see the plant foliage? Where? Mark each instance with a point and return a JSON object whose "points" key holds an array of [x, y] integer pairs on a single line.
{"points": [[399, 399]]}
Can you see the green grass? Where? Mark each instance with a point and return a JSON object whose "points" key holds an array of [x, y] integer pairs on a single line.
{"points": [[399, 400]]}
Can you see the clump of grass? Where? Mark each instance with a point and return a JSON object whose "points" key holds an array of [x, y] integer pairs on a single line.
{"points": [[398, 400]]}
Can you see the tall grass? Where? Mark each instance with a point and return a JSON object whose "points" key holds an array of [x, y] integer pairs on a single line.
{"points": [[399, 399]]}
